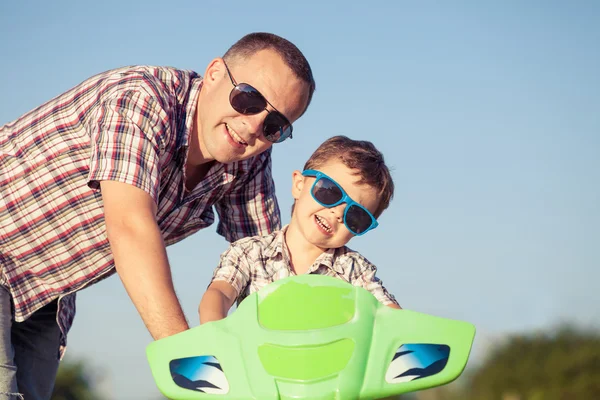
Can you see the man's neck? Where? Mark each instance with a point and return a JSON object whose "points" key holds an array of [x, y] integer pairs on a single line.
{"points": [[195, 174], [196, 166], [195, 156]]}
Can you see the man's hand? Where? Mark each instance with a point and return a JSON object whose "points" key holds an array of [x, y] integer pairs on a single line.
{"points": [[141, 258], [216, 302]]}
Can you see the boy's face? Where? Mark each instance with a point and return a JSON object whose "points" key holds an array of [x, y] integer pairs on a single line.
{"points": [[321, 226]]}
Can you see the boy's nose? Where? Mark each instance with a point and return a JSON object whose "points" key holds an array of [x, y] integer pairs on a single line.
{"points": [[338, 211]]}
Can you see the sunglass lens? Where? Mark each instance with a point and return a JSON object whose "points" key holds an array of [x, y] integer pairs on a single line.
{"points": [[358, 219], [327, 192], [276, 127], [247, 100]]}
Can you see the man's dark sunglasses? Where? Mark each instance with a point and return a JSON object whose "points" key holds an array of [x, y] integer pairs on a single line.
{"points": [[329, 193], [248, 101]]}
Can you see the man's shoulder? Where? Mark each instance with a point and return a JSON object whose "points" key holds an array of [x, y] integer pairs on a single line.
{"points": [[157, 81], [164, 72]]}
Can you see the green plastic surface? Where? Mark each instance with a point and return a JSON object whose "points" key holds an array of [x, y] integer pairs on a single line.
{"points": [[305, 363], [285, 308], [311, 337]]}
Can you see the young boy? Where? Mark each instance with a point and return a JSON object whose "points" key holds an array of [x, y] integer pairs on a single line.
{"points": [[344, 187]]}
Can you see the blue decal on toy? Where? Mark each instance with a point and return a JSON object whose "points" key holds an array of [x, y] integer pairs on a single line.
{"points": [[202, 374], [416, 361]]}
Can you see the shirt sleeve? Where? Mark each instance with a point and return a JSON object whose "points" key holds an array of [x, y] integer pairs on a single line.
{"points": [[126, 141], [251, 207], [367, 279], [233, 268]]}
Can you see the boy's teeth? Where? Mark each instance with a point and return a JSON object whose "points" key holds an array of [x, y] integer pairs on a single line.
{"points": [[323, 223], [235, 136]]}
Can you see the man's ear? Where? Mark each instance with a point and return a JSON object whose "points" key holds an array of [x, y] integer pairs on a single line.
{"points": [[297, 184], [214, 72]]}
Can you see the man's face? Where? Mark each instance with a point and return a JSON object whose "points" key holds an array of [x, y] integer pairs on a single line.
{"points": [[225, 135]]}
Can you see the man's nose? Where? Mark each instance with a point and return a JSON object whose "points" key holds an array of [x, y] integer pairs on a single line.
{"points": [[255, 122]]}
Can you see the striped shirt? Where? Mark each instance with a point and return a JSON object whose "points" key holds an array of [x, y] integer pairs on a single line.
{"points": [[130, 125], [252, 263]]}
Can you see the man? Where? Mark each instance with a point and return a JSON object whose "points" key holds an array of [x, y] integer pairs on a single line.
{"points": [[104, 176]]}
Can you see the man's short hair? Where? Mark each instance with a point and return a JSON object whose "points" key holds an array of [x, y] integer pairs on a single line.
{"points": [[291, 55]]}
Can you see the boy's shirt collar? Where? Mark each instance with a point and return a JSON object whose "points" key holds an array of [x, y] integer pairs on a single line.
{"points": [[277, 249]]}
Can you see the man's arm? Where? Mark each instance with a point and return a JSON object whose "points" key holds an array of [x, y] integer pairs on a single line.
{"points": [[216, 302], [141, 258]]}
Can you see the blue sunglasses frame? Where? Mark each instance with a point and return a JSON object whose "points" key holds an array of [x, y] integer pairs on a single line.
{"points": [[345, 199]]}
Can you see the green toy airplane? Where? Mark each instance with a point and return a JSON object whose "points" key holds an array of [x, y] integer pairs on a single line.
{"points": [[311, 337]]}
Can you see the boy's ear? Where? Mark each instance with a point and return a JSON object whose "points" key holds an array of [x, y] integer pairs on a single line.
{"points": [[297, 184]]}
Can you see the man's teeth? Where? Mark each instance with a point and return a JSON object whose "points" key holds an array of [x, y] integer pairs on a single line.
{"points": [[235, 136], [323, 223]]}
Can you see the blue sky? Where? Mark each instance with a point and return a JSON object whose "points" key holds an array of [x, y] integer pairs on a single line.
{"points": [[488, 112]]}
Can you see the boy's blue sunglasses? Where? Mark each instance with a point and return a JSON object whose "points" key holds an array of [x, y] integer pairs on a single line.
{"points": [[329, 193]]}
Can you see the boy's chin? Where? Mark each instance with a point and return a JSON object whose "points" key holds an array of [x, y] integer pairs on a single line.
{"points": [[331, 243]]}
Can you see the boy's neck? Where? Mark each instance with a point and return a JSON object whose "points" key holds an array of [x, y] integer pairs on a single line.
{"points": [[302, 254]]}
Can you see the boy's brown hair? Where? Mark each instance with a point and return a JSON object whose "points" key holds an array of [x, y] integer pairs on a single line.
{"points": [[362, 156]]}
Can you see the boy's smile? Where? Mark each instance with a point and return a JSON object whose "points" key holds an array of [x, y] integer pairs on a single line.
{"points": [[320, 226], [324, 225]]}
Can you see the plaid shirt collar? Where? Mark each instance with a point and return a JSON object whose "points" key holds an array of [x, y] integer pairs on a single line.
{"points": [[278, 250], [183, 141]]}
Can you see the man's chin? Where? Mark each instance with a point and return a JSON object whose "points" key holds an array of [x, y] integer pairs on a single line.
{"points": [[231, 158]]}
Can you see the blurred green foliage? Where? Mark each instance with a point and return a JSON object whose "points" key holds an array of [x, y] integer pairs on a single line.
{"points": [[76, 380], [558, 364], [563, 364]]}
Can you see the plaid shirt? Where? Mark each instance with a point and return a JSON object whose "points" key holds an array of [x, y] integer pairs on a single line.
{"points": [[252, 263], [130, 125]]}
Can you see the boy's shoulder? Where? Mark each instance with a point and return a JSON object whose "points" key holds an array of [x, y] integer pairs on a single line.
{"points": [[263, 241], [346, 255]]}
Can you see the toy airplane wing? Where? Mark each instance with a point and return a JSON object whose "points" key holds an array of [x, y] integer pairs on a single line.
{"points": [[311, 337]]}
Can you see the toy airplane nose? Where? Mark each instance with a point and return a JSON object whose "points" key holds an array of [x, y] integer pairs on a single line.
{"points": [[311, 337]]}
